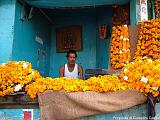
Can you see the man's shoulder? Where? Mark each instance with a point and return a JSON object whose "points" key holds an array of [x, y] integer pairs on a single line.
{"points": [[62, 66], [79, 66]]}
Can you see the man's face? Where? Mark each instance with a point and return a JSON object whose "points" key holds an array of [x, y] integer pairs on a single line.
{"points": [[71, 58]]}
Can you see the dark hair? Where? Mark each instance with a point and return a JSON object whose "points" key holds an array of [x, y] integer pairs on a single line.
{"points": [[71, 51]]}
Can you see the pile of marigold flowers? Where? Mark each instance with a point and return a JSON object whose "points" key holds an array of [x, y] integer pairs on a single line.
{"points": [[143, 74], [107, 83], [149, 39], [120, 47], [14, 75]]}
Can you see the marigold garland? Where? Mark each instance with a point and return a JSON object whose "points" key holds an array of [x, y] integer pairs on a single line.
{"points": [[143, 74], [13, 73], [156, 8], [107, 83], [149, 39], [120, 47]]}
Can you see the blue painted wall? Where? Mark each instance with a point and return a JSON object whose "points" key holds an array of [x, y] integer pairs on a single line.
{"points": [[138, 112], [7, 14], [133, 12], [73, 3], [25, 46], [86, 57], [95, 52], [104, 16], [18, 114]]}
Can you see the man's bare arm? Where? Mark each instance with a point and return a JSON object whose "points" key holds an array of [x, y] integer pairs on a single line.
{"points": [[80, 70], [61, 71]]}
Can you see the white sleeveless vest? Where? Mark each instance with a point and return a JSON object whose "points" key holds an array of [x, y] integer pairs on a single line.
{"points": [[73, 74]]}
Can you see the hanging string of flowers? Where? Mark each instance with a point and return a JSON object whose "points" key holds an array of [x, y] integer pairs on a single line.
{"points": [[149, 39], [143, 75], [120, 47], [156, 8], [14, 75]]}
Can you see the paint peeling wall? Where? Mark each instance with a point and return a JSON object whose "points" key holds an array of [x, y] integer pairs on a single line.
{"points": [[7, 15], [32, 39]]}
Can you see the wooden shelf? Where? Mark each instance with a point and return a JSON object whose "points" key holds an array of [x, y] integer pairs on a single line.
{"points": [[18, 100]]}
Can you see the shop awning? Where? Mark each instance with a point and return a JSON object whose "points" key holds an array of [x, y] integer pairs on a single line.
{"points": [[72, 3]]}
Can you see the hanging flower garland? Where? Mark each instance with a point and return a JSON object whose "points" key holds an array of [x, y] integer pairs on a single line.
{"points": [[149, 39], [156, 8], [120, 47]]}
